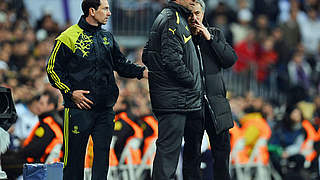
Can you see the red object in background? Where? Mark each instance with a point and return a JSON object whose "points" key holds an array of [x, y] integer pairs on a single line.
{"points": [[253, 54], [265, 60], [247, 54]]}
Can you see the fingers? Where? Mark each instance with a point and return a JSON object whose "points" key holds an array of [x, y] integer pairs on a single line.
{"points": [[199, 27], [81, 101], [78, 105], [197, 21], [83, 105], [85, 92], [87, 100]]}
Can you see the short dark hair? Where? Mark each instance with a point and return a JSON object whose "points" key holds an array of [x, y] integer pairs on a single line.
{"points": [[87, 4], [53, 98]]}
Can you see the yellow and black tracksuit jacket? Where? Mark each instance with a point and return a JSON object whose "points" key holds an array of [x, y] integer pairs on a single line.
{"points": [[84, 58]]}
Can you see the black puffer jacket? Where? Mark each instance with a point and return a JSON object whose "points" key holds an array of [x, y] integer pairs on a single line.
{"points": [[170, 55], [84, 58], [216, 55]]}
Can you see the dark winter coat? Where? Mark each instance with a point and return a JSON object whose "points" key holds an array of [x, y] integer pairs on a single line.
{"points": [[216, 55], [171, 58]]}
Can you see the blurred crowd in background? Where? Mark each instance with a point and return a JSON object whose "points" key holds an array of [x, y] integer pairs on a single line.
{"points": [[277, 42]]}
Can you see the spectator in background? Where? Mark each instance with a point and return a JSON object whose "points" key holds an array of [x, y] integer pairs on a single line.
{"points": [[281, 48], [286, 144], [241, 29], [291, 30], [48, 25], [316, 101], [316, 76], [42, 140], [27, 119], [268, 7], [223, 9], [262, 27], [268, 114], [267, 58], [310, 31], [247, 51], [299, 72], [221, 22], [5, 52]]}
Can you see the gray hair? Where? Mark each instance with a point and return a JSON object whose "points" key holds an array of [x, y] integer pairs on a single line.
{"points": [[202, 4]]}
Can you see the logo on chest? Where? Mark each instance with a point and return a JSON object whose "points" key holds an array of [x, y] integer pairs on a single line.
{"points": [[83, 44], [106, 41]]}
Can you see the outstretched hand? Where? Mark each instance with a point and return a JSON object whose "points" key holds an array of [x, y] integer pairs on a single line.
{"points": [[80, 100]]}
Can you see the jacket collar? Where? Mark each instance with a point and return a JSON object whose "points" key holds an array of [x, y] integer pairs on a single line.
{"points": [[86, 26], [184, 11]]}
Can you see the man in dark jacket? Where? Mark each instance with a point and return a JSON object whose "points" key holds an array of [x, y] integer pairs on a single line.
{"points": [[174, 83], [81, 66], [215, 54]]}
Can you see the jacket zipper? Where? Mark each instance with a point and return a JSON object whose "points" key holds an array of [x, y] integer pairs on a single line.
{"points": [[203, 78]]}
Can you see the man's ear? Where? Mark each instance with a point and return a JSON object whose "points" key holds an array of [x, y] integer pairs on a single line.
{"points": [[92, 11]]}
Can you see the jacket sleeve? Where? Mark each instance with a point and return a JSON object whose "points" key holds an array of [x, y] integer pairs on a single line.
{"points": [[56, 69], [172, 54], [226, 55], [123, 66]]}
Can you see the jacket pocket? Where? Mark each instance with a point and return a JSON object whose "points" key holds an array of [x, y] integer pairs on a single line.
{"points": [[221, 112], [164, 99], [193, 99]]}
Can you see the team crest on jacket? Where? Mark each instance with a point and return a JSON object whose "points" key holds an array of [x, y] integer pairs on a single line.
{"points": [[75, 130], [106, 41], [83, 44]]}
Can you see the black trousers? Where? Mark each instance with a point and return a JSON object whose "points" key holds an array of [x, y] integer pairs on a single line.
{"points": [[78, 125], [172, 126], [220, 148]]}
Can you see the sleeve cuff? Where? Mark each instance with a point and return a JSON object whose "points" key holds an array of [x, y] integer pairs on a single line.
{"points": [[140, 76]]}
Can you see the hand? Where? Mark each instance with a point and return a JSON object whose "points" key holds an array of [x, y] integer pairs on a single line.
{"points": [[80, 100], [202, 30], [145, 73]]}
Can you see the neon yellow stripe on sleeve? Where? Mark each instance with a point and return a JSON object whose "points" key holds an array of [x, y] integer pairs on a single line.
{"points": [[50, 68]]}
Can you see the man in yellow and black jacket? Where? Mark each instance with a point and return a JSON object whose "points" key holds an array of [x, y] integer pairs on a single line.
{"points": [[81, 66]]}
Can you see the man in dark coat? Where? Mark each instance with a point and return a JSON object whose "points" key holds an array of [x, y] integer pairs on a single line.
{"points": [[215, 54], [174, 83]]}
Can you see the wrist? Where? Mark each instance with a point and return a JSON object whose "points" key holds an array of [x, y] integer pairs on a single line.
{"points": [[141, 75], [211, 37], [69, 94]]}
